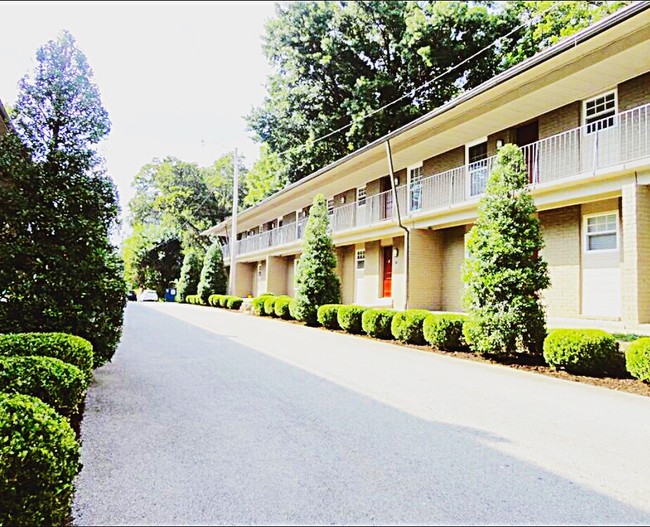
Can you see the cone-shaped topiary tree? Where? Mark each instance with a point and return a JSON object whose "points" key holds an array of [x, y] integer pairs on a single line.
{"points": [[316, 283], [213, 275], [188, 283], [503, 271]]}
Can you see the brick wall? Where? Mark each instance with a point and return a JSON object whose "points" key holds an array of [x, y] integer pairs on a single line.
{"points": [[559, 120], [561, 231], [633, 93], [345, 260], [453, 250], [276, 275], [425, 269], [443, 162]]}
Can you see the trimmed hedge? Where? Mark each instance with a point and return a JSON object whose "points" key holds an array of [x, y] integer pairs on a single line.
{"points": [[234, 302], [269, 306], [282, 307], [258, 304], [327, 316], [637, 359], [293, 309], [57, 383], [194, 299], [445, 331], [582, 351], [376, 322], [349, 318], [406, 326], [40, 459], [68, 348], [215, 300]]}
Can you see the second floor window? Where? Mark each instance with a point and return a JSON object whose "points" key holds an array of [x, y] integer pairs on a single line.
{"points": [[600, 112], [330, 206], [415, 188], [361, 196]]}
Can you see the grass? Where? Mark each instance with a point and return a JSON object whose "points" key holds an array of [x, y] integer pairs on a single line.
{"points": [[626, 337]]}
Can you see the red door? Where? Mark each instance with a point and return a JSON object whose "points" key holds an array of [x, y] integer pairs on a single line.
{"points": [[388, 272]]}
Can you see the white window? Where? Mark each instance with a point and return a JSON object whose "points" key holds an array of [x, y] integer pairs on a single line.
{"points": [[600, 112], [601, 232], [361, 260], [361, 196], [415, 187], [330, 206], [476, 154]]}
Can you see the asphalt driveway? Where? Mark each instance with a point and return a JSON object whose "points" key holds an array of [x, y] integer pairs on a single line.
{"points": [[211, 417]]}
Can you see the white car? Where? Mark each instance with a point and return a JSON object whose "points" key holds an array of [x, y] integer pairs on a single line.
{"points": [[148, 295]]}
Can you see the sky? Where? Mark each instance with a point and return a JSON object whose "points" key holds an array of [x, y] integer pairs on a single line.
{"points": [[176, 78]]}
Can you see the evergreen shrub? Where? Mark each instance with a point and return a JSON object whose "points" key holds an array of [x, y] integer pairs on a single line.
{"points": [[327, 316], [282, 307], [582, 351], [445, 331], [349, 318], [637, 359], [406, 326], [377, 322]]}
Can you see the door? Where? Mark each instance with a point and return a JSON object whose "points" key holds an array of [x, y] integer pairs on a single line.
{"points": [[386, 198], [527, 135], [387, 285]]}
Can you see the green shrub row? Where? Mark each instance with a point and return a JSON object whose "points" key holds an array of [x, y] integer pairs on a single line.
{"points": [[194, 299], [282, 304], [68, 348], [327, 316], [258, 304], [637, 359], [582, 351], [40, 459], [377, 323], [225, 301]]}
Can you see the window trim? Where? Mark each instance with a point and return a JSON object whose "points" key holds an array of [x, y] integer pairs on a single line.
{"points": [[409, 180], [359, 256], [330, 211], [586, 234], [365, 196], [583, 116], [475, 142]]}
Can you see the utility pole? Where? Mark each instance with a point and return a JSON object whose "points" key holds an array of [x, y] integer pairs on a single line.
{"points": [[233, 232]]}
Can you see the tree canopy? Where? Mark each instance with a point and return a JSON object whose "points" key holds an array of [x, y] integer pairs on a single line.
{"points": [[335, 62]]}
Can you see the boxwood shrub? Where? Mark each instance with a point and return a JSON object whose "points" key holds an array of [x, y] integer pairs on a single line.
{"points": [[349, 318], [269, 306], [57, 383], [68, 348], [194, 299], [214, 300], [637, 359], [293, 309], [258, 304], [282, 307], [376, 322], [582, 351], [40, 459], [234, 302], [406, 326], [327, 316], [445, 331]]}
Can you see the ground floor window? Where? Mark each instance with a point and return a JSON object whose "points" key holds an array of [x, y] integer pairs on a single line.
{"points": [[601, 232], [361, 259]]}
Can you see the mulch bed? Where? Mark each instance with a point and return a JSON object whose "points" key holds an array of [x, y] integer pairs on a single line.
{"points": [[623, 382]]}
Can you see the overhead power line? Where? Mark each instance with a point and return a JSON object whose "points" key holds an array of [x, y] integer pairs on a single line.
{"points": [[428, 83]]}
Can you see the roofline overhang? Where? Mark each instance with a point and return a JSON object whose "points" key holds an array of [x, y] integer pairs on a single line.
{"points": [[541, 57]]}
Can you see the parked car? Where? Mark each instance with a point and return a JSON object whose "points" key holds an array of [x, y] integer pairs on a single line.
{"points": [[130, 295], [148, 295]]}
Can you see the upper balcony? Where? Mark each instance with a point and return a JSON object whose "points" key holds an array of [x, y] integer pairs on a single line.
{"points": [[618, 139]]}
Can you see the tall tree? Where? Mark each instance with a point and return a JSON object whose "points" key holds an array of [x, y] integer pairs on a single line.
{"points": [[316, 283], [267, 176], [190, 273], [335, 62], [58, 270], [214, 280], [503, 272]]}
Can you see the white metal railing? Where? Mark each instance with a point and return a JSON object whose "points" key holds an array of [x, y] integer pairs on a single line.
{"points": [[564, 155]]}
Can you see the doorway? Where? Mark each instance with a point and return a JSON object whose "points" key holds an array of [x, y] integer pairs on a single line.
{"points": [[387, 282], [527, 135], [386, 205]]}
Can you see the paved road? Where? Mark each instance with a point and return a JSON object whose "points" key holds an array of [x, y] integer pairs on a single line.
{"points": [[211, 417]]}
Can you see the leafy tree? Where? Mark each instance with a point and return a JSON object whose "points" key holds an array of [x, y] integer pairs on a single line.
{"points": [[152, 257], [316, 283], [503, 272], [335, 62], [214, 280], [58, 270], [267, 176], [190, 273]]}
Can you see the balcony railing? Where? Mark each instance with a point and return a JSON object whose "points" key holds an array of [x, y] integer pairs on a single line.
{"points": [[582, 150]]}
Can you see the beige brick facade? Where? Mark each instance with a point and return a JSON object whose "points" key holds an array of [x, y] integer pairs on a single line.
{"points": [[443, 162], [276, 274], [345, 271], [633, 93], [560, 120], [561, 231], [453, 251], [636, 254], [425, 269]]}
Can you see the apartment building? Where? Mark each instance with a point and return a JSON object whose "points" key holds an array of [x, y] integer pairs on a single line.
{"points": [[580, 110]]}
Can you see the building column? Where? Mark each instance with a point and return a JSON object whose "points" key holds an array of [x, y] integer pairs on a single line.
{"points": [[636, 254], [276, 275], [425, 269], [244, 279]]}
